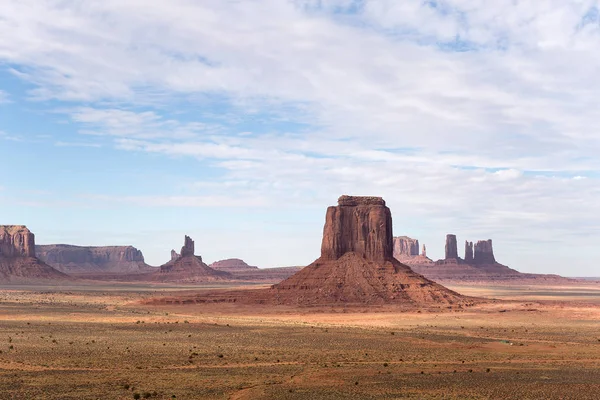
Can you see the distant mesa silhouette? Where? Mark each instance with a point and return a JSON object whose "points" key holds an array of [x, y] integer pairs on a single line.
{"points": [[85, 261]]}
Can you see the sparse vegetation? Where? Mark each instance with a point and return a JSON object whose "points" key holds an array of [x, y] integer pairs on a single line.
{"points": [[286, 357]]}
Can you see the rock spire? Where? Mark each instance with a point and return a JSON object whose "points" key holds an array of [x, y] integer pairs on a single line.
{"points": [[451, 247], [188, 247], [468, 251]]}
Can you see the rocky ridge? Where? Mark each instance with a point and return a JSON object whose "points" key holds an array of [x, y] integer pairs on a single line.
{"points": [[83, 260]]}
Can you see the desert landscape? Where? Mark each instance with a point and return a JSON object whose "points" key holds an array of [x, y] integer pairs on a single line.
{"points": [[356, 323], [299, 199]]}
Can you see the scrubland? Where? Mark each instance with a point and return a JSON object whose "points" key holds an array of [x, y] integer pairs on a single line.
{"points": [[94, 344]]}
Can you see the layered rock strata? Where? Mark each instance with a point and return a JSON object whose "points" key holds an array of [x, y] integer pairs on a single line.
{"points": [[93, 259]]}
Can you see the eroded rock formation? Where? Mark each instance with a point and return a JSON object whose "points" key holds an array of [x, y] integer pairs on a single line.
{"points": [[239, 269], [232, 265], [16, 241], [451, 247], [188, 247], [174, 255], [18, 263], [405, 247], [362, 225], [468, 252], [93, 259], [484, 252], [356, 267], [357, 264], [188, 268]]}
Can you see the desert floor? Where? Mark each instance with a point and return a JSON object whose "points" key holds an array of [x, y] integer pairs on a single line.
{"points": [[101, 342]]}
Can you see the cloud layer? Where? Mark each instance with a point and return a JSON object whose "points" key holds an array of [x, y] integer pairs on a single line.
{"points": [[467, 116]]}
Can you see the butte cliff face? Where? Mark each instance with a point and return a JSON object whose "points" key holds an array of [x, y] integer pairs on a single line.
{"points": [[484, 252], [93, 260], [188, 268], [232, 265], [362, 225], [451, 247], [405, 247], [18, 263], [468, 252], [16, 241], [357, 264]]}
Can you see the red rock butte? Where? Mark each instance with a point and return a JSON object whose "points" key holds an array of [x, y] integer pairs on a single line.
{"points": [[16, 241], [356, 267], [18, 263], [362, 225], [357, 263]]}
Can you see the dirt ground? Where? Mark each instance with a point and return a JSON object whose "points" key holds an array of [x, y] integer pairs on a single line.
{"points": [[103, 343]]}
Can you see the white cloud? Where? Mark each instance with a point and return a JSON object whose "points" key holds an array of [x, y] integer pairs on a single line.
{"points": [[125, 123], [491, 139], [77, 144], [4, 98]]}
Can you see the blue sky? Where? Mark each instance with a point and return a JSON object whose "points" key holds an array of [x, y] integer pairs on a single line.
{"points": [[238, 123]]}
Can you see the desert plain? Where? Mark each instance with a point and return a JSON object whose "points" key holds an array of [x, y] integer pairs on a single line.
{"points": [[114, 342]]}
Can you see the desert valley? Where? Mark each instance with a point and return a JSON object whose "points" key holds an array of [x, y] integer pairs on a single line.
{"points": [[372, 318]]}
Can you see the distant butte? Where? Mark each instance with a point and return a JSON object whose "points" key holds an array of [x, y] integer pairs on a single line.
{"points": [[93, 260], [478, 265], [187, 268]]}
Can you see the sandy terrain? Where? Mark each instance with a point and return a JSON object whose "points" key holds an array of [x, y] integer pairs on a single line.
{"points": [[103, 343]]}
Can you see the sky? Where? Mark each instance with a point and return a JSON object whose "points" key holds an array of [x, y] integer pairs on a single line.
{"points": [[130, 122]]}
